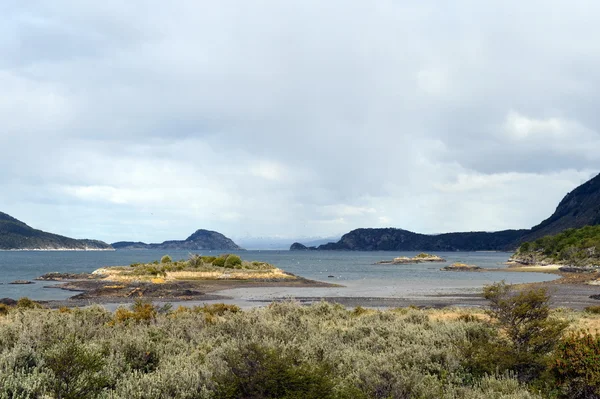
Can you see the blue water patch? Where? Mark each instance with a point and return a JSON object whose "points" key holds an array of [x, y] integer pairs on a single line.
{"points": [[356, 270]]}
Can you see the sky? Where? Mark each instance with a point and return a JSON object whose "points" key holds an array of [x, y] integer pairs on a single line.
{"points": [[146, 120]]}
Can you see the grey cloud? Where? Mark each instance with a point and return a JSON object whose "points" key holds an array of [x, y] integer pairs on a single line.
{"points": [[282, 118]]}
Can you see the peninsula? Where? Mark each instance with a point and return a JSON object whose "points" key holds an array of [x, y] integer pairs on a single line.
{"points": [[198, 277]]}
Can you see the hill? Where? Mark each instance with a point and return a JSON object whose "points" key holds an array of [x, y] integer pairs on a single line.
{"points": [[580, 207], [574, 247], [390, 239], [200, 240], [16, 235]]}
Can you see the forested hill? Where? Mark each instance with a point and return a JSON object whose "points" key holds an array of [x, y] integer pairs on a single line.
{"points": [[572, 247], [403, 240], [16, 235]]}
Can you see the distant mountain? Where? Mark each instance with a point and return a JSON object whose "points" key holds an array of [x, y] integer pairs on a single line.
{"points": [[300, 247], [390, 239], [580, 207], [278, 243], [16, 235], [200, 240]]}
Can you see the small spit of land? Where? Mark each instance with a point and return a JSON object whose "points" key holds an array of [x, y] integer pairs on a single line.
{"points": [[461, 267], [196, 278], [404, 260]]}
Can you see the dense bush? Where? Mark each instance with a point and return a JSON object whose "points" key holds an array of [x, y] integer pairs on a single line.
{"points": [[233, 261], [576, 366], [220, 261], [166, 259], [573, 246], [285, 350]]}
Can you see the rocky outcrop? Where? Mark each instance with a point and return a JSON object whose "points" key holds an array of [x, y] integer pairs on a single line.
{"points": [[404, 260], [16, 235], [461, 267], [200, 240]]}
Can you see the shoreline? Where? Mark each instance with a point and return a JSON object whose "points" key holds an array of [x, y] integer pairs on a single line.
{"points": [[569, 290], [59, 250]]}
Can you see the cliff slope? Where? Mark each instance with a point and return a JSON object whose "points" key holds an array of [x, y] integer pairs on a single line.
{"points": [[15, 235]]}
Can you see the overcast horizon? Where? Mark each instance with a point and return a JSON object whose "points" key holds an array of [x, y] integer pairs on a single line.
{"points": [[146, 120]]}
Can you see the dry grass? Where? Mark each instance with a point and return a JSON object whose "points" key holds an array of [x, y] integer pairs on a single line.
{"points": [[122, 275]]}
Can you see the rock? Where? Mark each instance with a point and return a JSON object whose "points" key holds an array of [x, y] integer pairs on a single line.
{"points": [[55, 276], [404, 260], [8, 301], [423, 257], [21, 282], [298, 247], [460, 267]]}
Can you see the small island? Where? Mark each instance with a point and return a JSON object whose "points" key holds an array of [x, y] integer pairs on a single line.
{"points": [[404, 260], [194, 278], [461, 267]]}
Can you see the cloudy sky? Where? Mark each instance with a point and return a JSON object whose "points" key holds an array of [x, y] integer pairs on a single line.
{"points": [[146, 120]]}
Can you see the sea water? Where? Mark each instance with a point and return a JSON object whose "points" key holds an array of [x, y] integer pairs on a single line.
{"points": [[356, 271]]}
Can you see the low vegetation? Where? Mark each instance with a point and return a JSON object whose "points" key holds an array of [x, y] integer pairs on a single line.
{"points": [[196, 264], [580, 247], [517, 349]]}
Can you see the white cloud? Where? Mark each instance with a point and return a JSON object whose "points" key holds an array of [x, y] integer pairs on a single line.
{"points": [[294, 118], [520, 127]]}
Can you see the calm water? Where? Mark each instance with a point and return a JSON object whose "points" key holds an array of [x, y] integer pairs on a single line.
{"points": [[355, 270]]}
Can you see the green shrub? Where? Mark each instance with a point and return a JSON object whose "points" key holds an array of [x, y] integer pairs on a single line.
{"points": [[141, 358], [220, 261], [233, 261], [255, 371], [166, 259], [576, 366], [141, 311], [26, 303], [208, 259], [76, 370], [524, 318], [4, 309], [594, 309], [218, 309]]}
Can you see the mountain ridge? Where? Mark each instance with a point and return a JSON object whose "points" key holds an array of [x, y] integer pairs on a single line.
{"points": [[17, 235], [199, 240], [579, 208]]}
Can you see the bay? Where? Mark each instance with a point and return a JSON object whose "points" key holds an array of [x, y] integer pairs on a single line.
{"points": [[356, 271]]}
